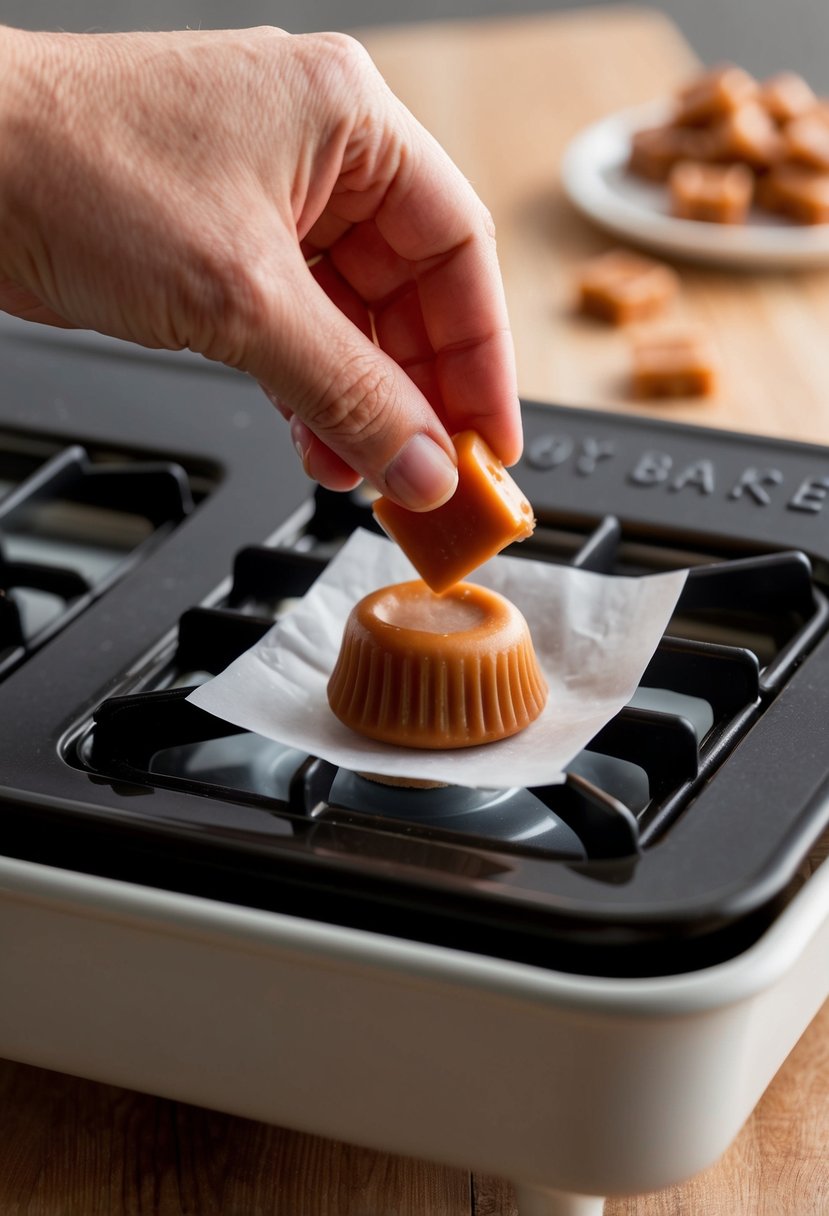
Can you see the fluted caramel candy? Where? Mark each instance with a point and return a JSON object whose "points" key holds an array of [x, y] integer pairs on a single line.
{"points": [[619, 286], [484, 515], [436, 671]]}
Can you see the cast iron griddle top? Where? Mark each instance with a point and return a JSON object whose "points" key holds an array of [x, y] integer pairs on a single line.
{"points": [[678, 876]]}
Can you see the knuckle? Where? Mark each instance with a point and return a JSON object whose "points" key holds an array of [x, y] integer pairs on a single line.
{"points": [[336, 61], [357, 406]]}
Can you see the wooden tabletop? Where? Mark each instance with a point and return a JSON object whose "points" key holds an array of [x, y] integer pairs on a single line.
{"points": [[503, 97]]}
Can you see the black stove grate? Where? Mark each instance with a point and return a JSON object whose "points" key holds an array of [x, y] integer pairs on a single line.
{"points": [[699, 698]]}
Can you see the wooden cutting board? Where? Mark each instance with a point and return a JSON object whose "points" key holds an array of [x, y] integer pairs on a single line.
{"points": [[504, 98]]}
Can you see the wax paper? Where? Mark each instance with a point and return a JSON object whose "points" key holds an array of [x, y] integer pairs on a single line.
{"points": [[593, 634]]}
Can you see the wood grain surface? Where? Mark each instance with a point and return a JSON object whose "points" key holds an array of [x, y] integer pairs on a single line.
{"points": [[503, 97]]}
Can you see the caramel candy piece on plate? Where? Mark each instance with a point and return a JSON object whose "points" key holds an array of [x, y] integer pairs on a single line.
{"points": [[807, 140], [715, 194], [655, 150], [484, 515], [786, 96], [714, 94], [619, 286], [802, 194], [436, 671], [673, 363], [749, 134]]}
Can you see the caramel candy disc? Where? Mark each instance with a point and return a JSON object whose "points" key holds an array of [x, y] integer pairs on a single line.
{"points": [[620, 286], [715, 194], [436, 671], [484, 515], [673, 363]]}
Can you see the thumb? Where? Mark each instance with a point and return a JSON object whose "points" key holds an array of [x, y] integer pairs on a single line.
{"points": [[358, 405]]}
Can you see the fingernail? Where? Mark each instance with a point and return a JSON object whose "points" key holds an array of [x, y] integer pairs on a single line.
{"points": [[421, 476], [301, 438]]}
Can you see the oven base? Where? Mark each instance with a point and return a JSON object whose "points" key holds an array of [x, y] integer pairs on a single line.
{"points": [[587, 1085]]}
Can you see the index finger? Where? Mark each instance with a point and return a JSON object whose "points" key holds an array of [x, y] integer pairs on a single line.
{"points": [[432, 217]]}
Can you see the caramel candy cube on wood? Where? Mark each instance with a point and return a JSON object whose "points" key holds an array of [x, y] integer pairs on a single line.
{"points": [[619, 286], [714, 94], [674, 363], [715, 194], [786, 96], [486, 513], [655, 150], [801, 194]]}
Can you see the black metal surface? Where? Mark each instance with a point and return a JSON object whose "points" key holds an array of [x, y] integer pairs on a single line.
{"points": [[692, 818]]}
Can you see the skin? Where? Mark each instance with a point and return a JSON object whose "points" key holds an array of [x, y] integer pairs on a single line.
{"points": [[262, 199]]}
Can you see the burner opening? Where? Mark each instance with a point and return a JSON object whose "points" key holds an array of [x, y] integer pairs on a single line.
{"points": [[511, 817]]}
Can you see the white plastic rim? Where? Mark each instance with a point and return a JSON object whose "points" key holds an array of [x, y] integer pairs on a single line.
{"points": [[596, 181], [758, 968]]}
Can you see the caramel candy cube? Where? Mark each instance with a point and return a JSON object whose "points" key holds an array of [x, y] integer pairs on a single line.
{"points": [[486, 513], [675, 363], [715, 194], [750, 135], [619, 286], [714, 95], [807, 140], [655, 150], [801, 194], [786, 96]]}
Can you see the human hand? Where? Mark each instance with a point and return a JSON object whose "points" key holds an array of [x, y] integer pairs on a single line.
{"points": [[264, 200]]}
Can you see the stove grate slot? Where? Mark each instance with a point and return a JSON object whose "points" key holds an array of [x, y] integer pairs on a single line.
{"points": [[156, 491], [210, 639], [69, 525], [606, 827], [727, 678], [130, 730], [31, 598], [337, 515], [662, 744], [266, 581], [767, 604]]}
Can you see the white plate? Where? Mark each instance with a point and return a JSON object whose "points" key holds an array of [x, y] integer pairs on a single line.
{"points": [[597, 183]]}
